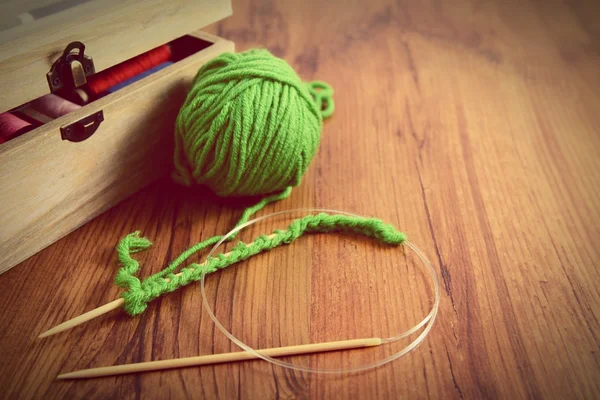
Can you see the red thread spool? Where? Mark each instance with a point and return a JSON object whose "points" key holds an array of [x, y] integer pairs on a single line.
{"points": [[54, 106], [12, 126], [103, 80]]}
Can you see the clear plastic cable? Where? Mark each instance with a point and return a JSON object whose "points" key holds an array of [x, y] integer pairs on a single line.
{"points": [[427, 322]]}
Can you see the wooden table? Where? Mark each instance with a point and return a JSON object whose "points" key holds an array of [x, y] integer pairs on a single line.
{"points": [[473, 126]]}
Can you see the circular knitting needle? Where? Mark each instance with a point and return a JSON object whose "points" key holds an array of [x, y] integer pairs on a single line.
{"points": [[96, 312], [220, 358]]}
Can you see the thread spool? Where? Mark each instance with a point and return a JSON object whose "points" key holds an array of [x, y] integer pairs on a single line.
{"points": [[12, 126], [104, 80], [53, 106], [139, 76]]}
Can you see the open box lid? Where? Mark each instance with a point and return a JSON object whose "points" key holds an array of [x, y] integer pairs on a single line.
{"points": [[34, 34]]}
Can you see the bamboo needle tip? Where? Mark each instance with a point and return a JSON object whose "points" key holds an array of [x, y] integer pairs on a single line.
{"points": [[57, 329], [49, 332], [45, 334], [83, 318]]}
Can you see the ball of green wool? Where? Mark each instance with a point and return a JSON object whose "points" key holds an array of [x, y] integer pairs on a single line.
{"points": [[249, 125]]}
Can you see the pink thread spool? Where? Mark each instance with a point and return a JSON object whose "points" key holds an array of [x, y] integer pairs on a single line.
{"points": [[54, 106], [12, 126]]}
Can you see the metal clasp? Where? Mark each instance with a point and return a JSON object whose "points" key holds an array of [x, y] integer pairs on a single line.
{"points": [[71, 70], [84, 128]]}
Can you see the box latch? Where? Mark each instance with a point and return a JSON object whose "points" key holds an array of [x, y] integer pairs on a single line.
{"points": [[71, 70], [80, 130]]}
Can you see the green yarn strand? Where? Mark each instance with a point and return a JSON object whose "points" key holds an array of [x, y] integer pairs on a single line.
{"points": [[140, 293]]}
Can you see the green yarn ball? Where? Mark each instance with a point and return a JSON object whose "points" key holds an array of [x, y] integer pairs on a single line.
{"points": [[249, 125]]}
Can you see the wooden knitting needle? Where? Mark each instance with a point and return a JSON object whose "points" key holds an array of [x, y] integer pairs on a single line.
{"points": [[96, 312], [83, 318], [220, 358]]}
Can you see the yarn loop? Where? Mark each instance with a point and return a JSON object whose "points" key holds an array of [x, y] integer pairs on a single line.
{"points": [[322, 95]]}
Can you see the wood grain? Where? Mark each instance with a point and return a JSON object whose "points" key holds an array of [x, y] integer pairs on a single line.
{"points": [[472, 125]]}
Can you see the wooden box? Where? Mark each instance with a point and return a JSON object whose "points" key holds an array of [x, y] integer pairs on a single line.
{"points": [[50, 186]]}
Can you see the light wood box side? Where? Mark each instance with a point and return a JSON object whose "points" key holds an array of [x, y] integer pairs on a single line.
{"points": [[49, 187]]}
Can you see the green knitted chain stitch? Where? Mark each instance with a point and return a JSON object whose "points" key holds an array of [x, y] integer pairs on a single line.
{"points": [[140, 293]]}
